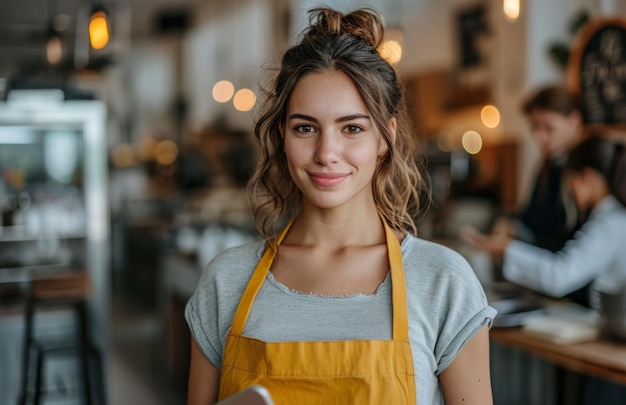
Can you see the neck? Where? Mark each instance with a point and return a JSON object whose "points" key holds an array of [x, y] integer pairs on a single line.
{"points": [[599, 193], [337, 228]]}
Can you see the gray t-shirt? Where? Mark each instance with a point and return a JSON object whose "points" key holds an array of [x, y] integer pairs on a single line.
{"points": [[447, 307]]}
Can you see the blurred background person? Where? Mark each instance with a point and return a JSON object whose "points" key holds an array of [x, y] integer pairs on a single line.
{"points": [[596, 174], [549, 218]]}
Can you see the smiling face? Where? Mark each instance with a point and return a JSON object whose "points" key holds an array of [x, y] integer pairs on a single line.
{"points": [[331, 142]]}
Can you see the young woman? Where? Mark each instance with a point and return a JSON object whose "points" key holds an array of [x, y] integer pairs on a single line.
{"points": [[596, 174], [344, 304]]}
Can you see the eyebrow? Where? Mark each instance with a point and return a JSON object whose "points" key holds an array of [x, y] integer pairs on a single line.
{"points": [[338, 120]]}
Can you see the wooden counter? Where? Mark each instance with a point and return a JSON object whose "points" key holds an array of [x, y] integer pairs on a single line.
{"points": [[600, 358]]}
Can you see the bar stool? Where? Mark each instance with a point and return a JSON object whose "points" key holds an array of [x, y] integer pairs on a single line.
{"points": [[71, 291]]}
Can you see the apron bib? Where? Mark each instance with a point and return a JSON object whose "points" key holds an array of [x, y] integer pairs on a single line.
{"points": [[342, 372]]}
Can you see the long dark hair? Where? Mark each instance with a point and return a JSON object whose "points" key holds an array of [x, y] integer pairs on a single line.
{"points": [[606, 157], [348, 44]]}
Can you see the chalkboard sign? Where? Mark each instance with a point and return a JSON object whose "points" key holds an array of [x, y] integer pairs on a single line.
{"points": [[597, 72]]}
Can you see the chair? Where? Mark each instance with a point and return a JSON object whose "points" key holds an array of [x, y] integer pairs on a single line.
{"points": [[71, 291]]}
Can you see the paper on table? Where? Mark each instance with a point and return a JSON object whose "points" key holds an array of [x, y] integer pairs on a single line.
{"points": [[562, 331]]}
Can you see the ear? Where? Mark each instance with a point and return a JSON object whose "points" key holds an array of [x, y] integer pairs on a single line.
{"points": [[281, 129]]}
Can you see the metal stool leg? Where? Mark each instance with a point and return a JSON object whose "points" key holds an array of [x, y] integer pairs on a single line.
{"points": [[40, 355], [97, 374], [83, 347], [27, 341]]}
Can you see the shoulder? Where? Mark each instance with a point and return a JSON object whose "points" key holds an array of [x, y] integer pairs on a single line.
{"points": [[233, 266], [422, 255], [609, 215], [447, 303], [210, 309], [441, 275], [224, 279]]}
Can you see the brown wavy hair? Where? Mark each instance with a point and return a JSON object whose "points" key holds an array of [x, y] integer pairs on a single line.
{"points": [[345, 43]]}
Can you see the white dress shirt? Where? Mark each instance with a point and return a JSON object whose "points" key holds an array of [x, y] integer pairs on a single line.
{"points": [[597, 252]]}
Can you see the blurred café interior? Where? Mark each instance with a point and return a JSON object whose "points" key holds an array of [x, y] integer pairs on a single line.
{"points": [[126, 138]]}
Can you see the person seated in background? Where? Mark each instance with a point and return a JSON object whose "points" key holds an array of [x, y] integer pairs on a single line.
{"points": [[548, 219], [595, 172]]}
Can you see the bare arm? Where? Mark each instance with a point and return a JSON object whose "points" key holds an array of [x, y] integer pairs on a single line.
{"points": [[203, 378], [467, 381]]}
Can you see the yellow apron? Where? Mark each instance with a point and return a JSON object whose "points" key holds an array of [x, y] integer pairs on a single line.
{"points": [[341, 372]]}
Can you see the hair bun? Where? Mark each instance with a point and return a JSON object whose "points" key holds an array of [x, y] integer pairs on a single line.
{"points": [[365, 23]]}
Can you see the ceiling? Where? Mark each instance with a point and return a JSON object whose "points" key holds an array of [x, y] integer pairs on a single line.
{"points": [[25, 24]]}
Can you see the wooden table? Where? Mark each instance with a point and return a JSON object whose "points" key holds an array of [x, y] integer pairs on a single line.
{"points": [[602, 358]]}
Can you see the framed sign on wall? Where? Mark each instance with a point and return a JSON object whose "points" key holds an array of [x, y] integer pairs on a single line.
{"points": [[597, 73]]}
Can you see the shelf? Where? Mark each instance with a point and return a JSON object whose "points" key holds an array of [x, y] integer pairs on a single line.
{"points": [[20, 234]]}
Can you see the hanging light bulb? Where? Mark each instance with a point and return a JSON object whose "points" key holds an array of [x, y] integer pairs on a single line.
{"points": [[511, 9], [54, 44], [98, 29], [54, 47]]}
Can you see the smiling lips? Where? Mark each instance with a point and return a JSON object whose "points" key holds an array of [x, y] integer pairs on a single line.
{"points": [[328, 179]]}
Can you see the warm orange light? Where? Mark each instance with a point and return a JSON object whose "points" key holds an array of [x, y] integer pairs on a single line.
{"points": [[98, 30], [391, 47], [490, 116], [54, 50], [511, 9], [244, 100], [166, 152], [223, 91], [391, 51]]}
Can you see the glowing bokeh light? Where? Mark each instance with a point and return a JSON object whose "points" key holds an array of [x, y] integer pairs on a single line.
{"points": [[472, 142], [223, 91], [391, 51], [166, 152], [54, 50], [98, 30], [490, 116], [511, 9], [244, 100]]}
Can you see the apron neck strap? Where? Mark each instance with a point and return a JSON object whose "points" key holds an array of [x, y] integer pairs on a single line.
{"points": [[255, 283], [398, 287], [399, 301]]}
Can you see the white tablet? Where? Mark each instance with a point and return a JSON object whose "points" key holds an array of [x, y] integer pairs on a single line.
{"points": [[254, 395]]}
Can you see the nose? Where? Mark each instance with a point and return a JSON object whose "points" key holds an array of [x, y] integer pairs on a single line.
{"points": [[543, 138], [328, 148]]}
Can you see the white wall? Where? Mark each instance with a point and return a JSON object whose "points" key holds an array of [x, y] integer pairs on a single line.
{"points": [[230, 43]]}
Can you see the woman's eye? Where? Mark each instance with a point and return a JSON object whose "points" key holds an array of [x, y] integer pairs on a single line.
{"points": [[304, 128], [353, 129]]}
